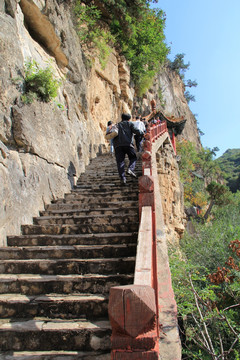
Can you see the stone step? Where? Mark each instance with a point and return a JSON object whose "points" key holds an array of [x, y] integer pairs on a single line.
{"points": [[56, 276], [92, 200], [69, 266], [47, 335], [109, 170], [100, 219], [99, 198], [78, 229], [75, 239], [89, 212], [102, 178], [68, 252], [55, 355], [103, 191], [53, 306], [34, 284], [105, 184], [78, 205]]}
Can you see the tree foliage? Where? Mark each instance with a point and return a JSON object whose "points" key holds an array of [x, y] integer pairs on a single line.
{"points": [[197, 169], [191, 83], [178, 65], [219, 194], [206, 274], [132, 27], [229, 162], [206, 286], [189, 97]]}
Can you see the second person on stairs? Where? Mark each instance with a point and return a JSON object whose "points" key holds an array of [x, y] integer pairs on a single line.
{"points": [[123, 145]]}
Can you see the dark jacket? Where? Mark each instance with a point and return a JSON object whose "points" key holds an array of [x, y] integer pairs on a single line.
{"points": [[126, 129]]}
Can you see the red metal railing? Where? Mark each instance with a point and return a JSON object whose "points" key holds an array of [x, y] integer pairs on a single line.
{"points": [[158, 130], [134, 309]]}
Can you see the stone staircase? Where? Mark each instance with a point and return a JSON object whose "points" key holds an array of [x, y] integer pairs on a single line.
{"points": [[55, 277]]}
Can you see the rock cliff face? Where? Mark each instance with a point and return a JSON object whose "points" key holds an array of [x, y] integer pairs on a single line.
{"points": [[42, 146], [171, 192], [168, 91]]}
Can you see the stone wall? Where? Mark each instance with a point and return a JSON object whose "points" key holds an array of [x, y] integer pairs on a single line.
{"points": [[42, 145], [171, 192]]}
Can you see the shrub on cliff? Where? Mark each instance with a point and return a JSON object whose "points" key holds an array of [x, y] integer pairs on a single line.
{"points": [[39, 83], [132, 27], [197, 168]]}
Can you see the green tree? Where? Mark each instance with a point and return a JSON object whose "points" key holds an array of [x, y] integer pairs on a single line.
{"points": [[146, 49], [136, 30], [178, 65], [189, 97], [206, 286], [218, 194], [191, 83], [206, 165]]}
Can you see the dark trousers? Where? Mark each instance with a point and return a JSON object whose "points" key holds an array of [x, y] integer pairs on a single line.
{"points": [[120, 153], [139, 140]]}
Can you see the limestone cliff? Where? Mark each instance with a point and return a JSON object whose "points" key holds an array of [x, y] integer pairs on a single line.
{"points": [[42, 146]]}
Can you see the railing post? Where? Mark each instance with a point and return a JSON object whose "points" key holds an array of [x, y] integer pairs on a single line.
{"points": [[132, 313], [146, 192]]}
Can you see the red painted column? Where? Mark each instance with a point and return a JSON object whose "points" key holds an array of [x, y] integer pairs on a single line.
{"points": [[174, 142]]}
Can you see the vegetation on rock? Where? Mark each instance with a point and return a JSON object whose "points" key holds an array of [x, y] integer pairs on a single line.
{"points": [[229, 162], [197, 170], [135, 29], [180, 67], [206, 268], [206, 286], [40, 84]]}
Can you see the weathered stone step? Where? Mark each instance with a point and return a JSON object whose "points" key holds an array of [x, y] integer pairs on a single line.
{"points": [[55, 355], [78, 229], [68, 252], [100, 219], [89, 212], [71, 306], [87, 199], [99, 191], [75, 239], [34, 284], [79, 205], [105, 184], [107, 178], [46, 335], [110, 168], [104, 179], [58, 274], [69, 266]]}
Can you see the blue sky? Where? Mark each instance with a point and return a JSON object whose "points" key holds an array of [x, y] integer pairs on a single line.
{"points": [[208, 33]]}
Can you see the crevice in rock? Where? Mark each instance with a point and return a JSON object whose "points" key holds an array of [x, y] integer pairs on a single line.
{"points": [[49, 162]]}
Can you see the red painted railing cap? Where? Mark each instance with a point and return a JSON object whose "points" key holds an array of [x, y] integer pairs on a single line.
{"points": [[146, 183]]}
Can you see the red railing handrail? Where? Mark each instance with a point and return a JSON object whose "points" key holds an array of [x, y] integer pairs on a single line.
{"points": [[157, 130], [129, 328]]}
